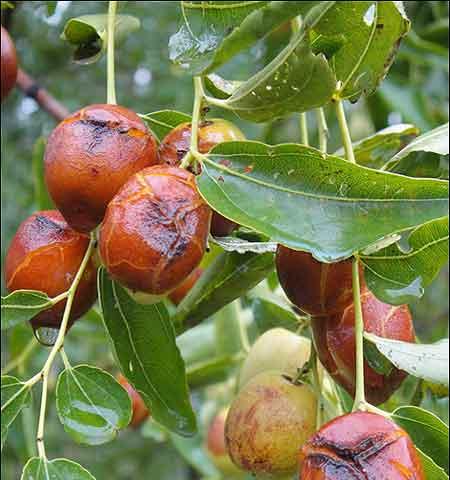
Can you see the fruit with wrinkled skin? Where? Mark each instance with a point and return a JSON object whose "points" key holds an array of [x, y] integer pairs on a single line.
{"points": [[155, 230], [184, 288], [8, 63], [277, 349], [215, 445], [45, 255], [360, 445], [334, 338], [138, 407], [210, 133], [314, 287], [90, 155], [268, 423]]}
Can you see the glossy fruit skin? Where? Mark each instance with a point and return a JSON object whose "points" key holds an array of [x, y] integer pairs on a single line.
{"points": [[315, 288], [360, 445], [8, 64], [138, 407], [268, 423], [90, 155], [277, 349], [334, 338], [184, 288], [45, 255], [155, 230], [210, 133]]}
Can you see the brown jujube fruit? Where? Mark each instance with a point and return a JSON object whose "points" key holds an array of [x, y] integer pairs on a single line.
{"points": [[138, 407], [184, 288], [155, 230], [357, 446], [210, 133], [90, 155], [314, 287], [334, 337], [8, 64], [45, 255]]}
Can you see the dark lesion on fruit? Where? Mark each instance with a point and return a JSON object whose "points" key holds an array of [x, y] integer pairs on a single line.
{"points": [[45, 224]]}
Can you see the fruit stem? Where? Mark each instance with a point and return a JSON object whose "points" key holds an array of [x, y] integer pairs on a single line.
{"points": [[110, 79], [345, 132], [304, 129], [360, 399], [322, 129]]}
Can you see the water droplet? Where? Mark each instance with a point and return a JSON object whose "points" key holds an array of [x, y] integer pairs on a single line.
{"points": [[46, 335]]}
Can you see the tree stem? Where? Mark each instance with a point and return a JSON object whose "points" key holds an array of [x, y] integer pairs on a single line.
{"points": [[111, 86], [322, 129], [345, 132], [304, 129]]}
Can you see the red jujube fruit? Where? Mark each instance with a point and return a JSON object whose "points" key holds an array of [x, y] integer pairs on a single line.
{"points": [[138, 407], [8, 63]]}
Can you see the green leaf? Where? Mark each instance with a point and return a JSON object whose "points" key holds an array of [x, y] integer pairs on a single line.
{"points": [[377, 362], [219, 87], [427, 361], [51, 7], [6, 5], [143, 340], [228, 277], [15, 396], [431, 470], [88, 33], [91, 405], [376, 150], [371, 32], [427, 431], [239, 245], [22, 305], [307, 200], [163, 121], [399, 274], [269, 315], [59, 469], [296, 80], [41, 195]]}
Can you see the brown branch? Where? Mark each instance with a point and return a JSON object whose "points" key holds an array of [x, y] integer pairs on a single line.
{"points": [[46, 101]]}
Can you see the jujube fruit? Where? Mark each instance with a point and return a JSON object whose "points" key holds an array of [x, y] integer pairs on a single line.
{"points": [[210, 133], [334, 337], [277, 349], [155, 230], [45, 255], [90, 155], [185, 287], [314, 287], [8, 63], [138, 407], [268, 423], [360, 445]]}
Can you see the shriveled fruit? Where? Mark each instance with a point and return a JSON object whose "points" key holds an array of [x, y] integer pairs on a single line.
{"points": [[334, 338], [314, 287], [268, 423], [138, 407], [8, 63], [210, 133], [184, 288], [45, 255], [155, 230], [215, 445], [277, 349], [90, 155], [360, 445]]}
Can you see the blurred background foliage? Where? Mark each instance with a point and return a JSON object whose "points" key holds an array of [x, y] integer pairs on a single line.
{"points": [[416, 91]]}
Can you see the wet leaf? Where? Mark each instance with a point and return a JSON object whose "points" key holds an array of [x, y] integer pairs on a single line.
{"points": [[239, 245], [399, 274], [427, 361], [163, 121], [143, 341], [301, 198], [22, 305], [61, 468], [91, 405]]}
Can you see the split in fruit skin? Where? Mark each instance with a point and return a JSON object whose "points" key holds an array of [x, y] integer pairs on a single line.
{"points": [[45, 255]]}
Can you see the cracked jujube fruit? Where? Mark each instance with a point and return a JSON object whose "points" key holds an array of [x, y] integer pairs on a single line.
{"points": [[90, 155], [314, 287], [8, 63], [268, 423], [138, 407], [334, 337], [45, 255], [155, 230], [176, 144], [360, 445]]}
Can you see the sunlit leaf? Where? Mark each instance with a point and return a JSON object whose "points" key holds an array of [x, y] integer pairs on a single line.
{"points": [[239, 245], [61, 468]]}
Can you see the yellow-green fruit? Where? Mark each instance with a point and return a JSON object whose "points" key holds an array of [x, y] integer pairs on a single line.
{"points": [[268, 423], [277, 349]]}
